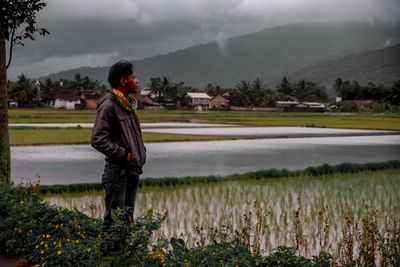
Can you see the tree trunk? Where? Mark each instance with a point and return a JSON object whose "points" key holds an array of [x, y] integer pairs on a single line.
{"points": [[4, 140]]}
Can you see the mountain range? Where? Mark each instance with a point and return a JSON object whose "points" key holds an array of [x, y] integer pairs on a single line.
{"points": [[380, 66], [321, 52]]}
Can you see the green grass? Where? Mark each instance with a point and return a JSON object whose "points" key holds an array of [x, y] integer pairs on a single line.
{"points": [[46, 136], [22, 136], [388, 121], [47, 115]]}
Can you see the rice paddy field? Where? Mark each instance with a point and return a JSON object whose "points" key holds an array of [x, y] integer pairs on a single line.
{"points": [[309, 213], [383, 121], [59, 136]]}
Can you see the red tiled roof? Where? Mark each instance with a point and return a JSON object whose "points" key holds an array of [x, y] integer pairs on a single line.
{"points": [[68, 97]]}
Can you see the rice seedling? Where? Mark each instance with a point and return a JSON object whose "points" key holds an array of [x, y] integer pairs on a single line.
{"points": [[312, 214]]}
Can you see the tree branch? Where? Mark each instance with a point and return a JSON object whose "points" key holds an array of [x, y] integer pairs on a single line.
{"points": [[11, 47]]}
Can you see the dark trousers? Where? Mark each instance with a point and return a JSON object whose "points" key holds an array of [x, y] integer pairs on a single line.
{"points": [[120, 184]]}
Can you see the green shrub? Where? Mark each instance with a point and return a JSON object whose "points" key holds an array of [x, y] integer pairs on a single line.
{"points": [[39, 233], [43, 234]]}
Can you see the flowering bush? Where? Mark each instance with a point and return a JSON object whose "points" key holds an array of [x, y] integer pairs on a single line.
{"points": [[45, 235], [42, 234]]}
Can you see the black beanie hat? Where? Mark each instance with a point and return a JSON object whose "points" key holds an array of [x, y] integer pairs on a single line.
{"points": [[118, 70]]}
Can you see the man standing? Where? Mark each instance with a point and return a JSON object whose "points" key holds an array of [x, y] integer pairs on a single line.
{"points": [[117, 134]]}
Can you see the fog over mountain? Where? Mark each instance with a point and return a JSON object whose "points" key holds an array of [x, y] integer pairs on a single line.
{"points": [[268, 54], [380, 66], [99, 32]]}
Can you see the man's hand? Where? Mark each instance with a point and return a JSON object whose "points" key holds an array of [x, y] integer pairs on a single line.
{"points": [[129, 157]]}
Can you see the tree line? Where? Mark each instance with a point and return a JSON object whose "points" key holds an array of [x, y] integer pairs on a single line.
{"points": [[258, 94], [28, 92], [352, 90], [244, 94]]}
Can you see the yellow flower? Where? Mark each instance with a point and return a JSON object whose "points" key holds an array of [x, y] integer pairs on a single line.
{"points": [[37, 246], [48, 236], [54, 243], [88, 250], [30, 231], [158, 255], [46, 246], [41, 242], [57, 226], [42, 252], [77, 241], [59, 252], [236, 264]]}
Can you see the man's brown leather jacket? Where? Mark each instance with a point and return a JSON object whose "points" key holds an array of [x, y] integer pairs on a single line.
{"points": [[116, 132]]}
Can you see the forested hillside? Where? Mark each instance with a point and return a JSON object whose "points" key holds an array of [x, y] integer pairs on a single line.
{"points": [[268, 54]]}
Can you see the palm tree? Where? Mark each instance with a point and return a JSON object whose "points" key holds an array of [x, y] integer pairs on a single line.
{"points": [[156, 88], [284, 88], [338, 86], [301, 90]]}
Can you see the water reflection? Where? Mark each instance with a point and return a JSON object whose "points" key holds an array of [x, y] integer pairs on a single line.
{"points": [[80, 163]]}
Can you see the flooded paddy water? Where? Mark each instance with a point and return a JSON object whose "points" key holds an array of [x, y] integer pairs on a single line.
{"points": [[65, 164]]}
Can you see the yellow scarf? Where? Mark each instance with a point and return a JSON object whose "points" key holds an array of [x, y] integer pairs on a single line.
{"points": [[128, 103]]}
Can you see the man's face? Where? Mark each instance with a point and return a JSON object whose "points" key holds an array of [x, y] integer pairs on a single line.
{"points": [[130, 83]]}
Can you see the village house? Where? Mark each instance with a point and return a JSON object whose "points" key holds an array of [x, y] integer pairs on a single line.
{"points": [[48, 100], [67, 101], [199, 101], [89, 99], [301, 106], [147, 98], [12, 103], [219, 102]]}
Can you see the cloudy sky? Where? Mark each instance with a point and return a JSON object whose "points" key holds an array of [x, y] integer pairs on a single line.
{"points": [[99, 32]]}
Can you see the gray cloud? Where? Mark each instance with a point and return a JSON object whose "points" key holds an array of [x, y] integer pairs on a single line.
{"points": [[153, 11], [96, 32]]}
